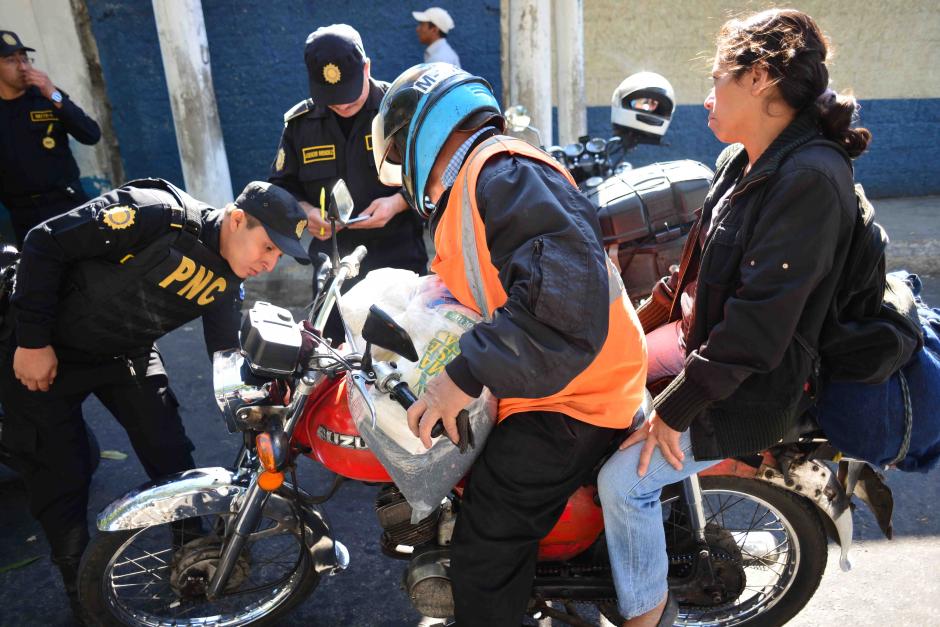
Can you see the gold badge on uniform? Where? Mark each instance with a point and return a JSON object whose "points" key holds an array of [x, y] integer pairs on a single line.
{"points": [[331, 74], [279, 162], [9, 39], [119, 217], [369, 141], [48, 142], [301, 225]]}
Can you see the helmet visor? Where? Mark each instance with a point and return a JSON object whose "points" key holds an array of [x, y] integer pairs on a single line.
{"points": [[387, 159]]}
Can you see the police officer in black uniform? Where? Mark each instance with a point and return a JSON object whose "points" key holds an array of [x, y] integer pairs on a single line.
{"points": [[95, 288], [39, 178], [328, 137]]}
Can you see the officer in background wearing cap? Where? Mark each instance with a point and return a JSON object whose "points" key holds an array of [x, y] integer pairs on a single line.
{"points": [[433, 26], [328, 137], [95, 288], [39, 178]]}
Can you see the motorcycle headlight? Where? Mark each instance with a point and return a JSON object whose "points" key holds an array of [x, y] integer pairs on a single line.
{"points": [[236, 389]]}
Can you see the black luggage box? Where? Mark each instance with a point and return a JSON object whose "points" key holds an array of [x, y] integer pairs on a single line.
{"points": [[656, 198]]}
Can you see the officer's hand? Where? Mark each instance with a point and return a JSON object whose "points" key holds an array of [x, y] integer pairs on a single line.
{"points": [[35, 367], [380, 212], [316, 225], [442, 400], [38, 78]]}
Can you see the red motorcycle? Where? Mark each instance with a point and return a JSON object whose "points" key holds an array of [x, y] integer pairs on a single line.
{"points": [[747, 540]]}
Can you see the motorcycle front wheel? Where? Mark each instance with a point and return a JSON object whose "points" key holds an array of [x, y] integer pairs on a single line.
{"points": [[158, 575], [775, 546]]}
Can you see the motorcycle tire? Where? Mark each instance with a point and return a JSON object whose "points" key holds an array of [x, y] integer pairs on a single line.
{"points": [[804, 531], [101, 559]]}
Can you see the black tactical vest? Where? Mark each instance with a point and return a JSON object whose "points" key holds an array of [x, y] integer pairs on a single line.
{"points": [[112, 308]]}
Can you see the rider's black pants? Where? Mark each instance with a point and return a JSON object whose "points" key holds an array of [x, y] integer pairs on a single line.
{"points": [[517, 490], [49, 444]]}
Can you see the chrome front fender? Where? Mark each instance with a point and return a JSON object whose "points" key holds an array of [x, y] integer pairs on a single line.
{"points": [[198, 492], [213, 491]]}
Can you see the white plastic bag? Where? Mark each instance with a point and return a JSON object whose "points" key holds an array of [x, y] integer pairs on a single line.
{"points": [[435, 321]]}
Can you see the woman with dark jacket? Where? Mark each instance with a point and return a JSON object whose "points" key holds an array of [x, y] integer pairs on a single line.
{"points": [[759, 269]]}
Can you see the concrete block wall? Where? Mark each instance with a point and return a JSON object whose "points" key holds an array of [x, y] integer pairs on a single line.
{"points": [[256, 50], [887, 53]]}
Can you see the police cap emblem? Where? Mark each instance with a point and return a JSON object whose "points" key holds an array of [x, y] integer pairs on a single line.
{"points": [[119, 217], [301, 225], [331, 73], [9, 39]]}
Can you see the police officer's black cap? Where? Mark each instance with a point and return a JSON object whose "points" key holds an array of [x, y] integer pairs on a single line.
{"points": [[335, 57], [10, 42], [279, 213]]}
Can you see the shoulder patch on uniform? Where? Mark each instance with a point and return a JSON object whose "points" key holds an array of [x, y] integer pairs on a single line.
{"points": [[118, 217], [298, 110]]}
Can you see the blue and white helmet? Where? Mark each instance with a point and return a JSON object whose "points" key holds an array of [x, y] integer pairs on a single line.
{"points": [[424, 105]]}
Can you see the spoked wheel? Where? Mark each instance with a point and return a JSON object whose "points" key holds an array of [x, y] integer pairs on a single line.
{"points": [[159, 575], [768, 551]]}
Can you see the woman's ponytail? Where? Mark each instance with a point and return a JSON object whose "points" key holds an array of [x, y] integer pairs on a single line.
{"points": [[836, 114]]}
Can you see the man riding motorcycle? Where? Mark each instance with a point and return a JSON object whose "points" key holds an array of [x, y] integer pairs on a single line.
{"points": [[559, 345]]}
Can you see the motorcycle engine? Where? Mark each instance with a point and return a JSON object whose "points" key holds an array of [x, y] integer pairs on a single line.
{"points": [[401, 537], [424, 544]]}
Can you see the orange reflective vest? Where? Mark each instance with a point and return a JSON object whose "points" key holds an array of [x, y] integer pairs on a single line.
{"points": [[609, 391]]}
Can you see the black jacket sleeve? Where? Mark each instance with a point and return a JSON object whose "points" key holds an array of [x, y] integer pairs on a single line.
{"points": [[544, 239], [78, 124], [221, 323], [286, 175], [50, 248], [790, 251]]}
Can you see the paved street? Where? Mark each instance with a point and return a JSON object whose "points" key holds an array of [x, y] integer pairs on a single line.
{"points": [[894, 583]]}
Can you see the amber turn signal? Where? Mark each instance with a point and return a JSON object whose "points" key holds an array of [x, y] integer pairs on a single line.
{"points": [[270, 480], [265, 447]]}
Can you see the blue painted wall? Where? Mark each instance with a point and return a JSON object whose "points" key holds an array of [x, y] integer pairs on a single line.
{"points": [[903, 158], [256, 47]]}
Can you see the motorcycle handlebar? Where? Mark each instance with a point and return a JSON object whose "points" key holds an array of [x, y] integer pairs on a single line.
{"points": [[353, 260]]}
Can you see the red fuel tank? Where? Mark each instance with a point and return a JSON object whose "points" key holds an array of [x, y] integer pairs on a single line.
{"points": [[327, 427]]}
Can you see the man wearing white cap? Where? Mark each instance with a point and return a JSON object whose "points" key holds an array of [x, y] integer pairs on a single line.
{"points": [[432, 29]]}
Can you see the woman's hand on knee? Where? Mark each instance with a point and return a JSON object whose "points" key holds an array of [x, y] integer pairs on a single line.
{"points": [[655, 433]]}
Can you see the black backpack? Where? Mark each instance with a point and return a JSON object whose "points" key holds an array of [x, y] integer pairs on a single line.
{"points": [[872, 328]]}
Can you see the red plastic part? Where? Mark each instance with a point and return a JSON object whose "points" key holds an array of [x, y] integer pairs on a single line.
{"points": [[577, 529]]}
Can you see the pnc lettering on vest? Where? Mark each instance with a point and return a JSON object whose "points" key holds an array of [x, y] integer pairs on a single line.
{"points": [[199, 283]]}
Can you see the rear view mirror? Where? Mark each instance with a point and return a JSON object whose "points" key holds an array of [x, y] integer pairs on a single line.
{"points": [[341, 202], [381, 330], [517, 117]]}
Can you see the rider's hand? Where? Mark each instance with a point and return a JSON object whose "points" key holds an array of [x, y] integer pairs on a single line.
{"points": [[442, 400], [316, 225], [655, 432], [380, 212], [40, 80], [35, 368]]}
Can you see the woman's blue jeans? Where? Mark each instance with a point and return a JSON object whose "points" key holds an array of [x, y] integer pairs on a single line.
{"points": [[633, 519]]}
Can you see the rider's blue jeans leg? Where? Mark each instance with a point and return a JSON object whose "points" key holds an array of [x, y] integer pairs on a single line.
{"points": [[633, 523]]}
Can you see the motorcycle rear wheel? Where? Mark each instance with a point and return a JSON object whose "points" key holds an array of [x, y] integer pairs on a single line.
{"points": [[137, 577], [783, 549]]}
